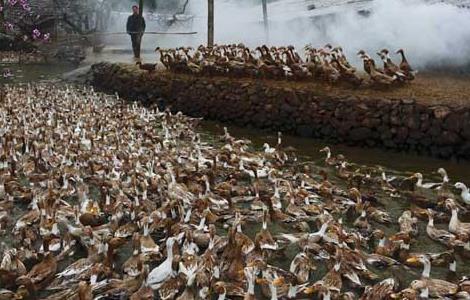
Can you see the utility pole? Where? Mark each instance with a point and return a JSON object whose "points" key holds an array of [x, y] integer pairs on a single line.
{"points": [[141, 7], [265, 20], [210, 23]]}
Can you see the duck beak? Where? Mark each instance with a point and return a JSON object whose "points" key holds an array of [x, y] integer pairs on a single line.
{"points": [[278, 281], [309, 290], [412, 260]]}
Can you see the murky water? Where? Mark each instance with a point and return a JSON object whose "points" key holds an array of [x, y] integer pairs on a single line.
{"points": [[402, 164], [32, 72]]}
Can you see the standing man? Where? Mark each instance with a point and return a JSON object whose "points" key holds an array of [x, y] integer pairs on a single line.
{"points": [[136, 28]]}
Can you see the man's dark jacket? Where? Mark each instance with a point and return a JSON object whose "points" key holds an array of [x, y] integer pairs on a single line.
{"points": [[135, 24]]}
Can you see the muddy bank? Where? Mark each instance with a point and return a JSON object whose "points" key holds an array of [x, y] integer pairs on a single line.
{"points": [[405, 124]]}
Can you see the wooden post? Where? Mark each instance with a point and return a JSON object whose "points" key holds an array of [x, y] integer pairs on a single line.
{"points": [[141, 7], [265, 20], [210, 23]]}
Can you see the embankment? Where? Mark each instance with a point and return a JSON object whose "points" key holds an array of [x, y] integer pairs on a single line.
{"points": [[415, 118]]}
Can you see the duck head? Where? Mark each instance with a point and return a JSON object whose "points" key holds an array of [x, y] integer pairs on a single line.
{"points": [[355, 194], [420, 258], [430, 213], [450, 204], [381, 55], [362, 54], [443, 173], [460, 186], [327, 150], [220, 289]]}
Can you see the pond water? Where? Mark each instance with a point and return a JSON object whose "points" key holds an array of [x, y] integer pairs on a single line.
{"points": [[401, 164], [32, 72]]}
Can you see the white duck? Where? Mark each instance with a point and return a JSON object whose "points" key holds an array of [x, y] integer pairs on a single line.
{"points": [[161, 273], [465, 194], [455, 226], [430, 185], [268, 149]]}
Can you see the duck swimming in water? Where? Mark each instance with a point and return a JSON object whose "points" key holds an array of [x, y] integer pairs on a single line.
{"points": [[465, 192], [433, 287], [117, 187], [455, 225]]}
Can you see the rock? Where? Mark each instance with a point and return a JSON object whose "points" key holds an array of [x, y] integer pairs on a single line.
{"points": [[395, 119], [408, 101], [412, 121], [448, 138], [453, 122], [441, 112], [466, 132], [371, 122], [360, 133], [401, 134], [435, 129]]}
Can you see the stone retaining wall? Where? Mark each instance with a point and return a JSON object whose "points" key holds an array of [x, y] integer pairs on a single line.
{"points": [[407, 125]]}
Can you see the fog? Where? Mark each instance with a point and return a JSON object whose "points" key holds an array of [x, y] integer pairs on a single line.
{"points": [[431, 34]]}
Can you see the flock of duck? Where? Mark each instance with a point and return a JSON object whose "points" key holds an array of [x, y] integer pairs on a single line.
{"points": [[325, 64], [103, 199]]}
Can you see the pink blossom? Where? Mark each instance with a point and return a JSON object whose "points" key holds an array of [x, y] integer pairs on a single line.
{"points": [[36, 34], [8, 26], [46, 37], [26, 7]]}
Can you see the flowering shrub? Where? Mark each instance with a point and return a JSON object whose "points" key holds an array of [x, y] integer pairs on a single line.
{"points": [[24, 5]]}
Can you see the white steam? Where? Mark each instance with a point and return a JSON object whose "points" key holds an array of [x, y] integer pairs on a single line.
{"points": [[431, 34]]}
